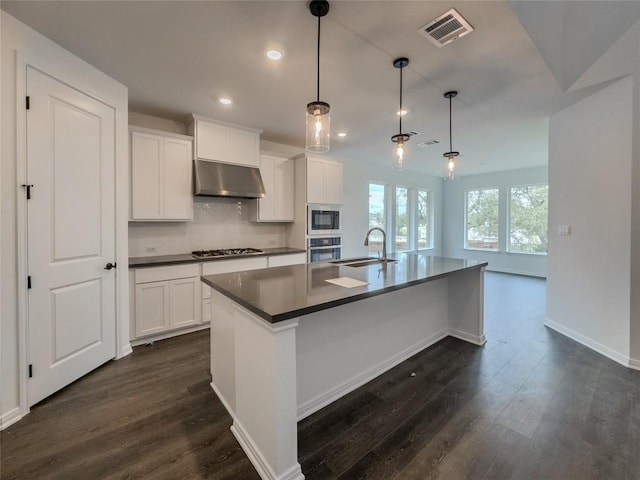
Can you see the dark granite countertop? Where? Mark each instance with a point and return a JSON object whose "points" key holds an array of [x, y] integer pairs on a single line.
{"points": [[159, 260], [281, 293]]}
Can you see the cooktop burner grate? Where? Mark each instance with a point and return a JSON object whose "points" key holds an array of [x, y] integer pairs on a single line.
{"points": [[226, 252]]}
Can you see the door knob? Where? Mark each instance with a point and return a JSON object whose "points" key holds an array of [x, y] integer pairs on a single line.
{"points": [[109, 266]]}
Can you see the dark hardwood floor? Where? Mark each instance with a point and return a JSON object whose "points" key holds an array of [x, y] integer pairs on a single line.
{"points": [[530, 404]]}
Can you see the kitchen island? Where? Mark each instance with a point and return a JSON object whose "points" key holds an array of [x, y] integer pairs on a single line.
{"points": [[286, 342]]}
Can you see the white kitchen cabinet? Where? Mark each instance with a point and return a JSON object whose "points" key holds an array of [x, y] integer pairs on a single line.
{"points": [[228, 266], [324, 181], [287, 259], [224, 142], [278, 177], [166, 298], [161, 166]]}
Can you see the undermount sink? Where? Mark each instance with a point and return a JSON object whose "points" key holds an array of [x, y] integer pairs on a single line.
{"points": [[362, 262]]}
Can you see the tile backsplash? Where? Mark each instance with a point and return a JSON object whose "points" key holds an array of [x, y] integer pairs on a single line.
{"points": [[217, 223]]}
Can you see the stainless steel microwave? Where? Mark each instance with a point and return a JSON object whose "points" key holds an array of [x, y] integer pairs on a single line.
{"points": [[323, 219]]}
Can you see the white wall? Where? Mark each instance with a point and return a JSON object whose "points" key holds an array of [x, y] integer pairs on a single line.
{"points": [[590, 167], [355, 210], [454, 214]]}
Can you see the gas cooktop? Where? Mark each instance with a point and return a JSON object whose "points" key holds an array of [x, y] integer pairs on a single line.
{"points": [[226, 252]]}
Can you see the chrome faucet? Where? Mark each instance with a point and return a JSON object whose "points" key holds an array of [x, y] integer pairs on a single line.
{"points": [[384, 241]]}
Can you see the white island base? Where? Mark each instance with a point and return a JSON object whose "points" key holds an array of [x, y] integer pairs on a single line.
{"points": [[269, 376]]}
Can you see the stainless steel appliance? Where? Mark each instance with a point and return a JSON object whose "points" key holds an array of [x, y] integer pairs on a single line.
{"points": [[324, 249], [323, 219], [226, 252], [225, 180]]}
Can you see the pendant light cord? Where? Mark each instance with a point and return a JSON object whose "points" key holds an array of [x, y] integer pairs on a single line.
{"points": [[318, 82], [400, 111], [450, 135]]}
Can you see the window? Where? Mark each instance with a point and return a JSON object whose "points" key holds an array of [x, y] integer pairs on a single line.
{"points": [[423, 219], [377, 215], [482, 219], [405, 213], [528, 208], [403, 220]]}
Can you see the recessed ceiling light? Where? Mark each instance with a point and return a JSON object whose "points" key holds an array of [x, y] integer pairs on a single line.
{"points": [[342, 134], [274, 54], [225, 101], [401, 112]]}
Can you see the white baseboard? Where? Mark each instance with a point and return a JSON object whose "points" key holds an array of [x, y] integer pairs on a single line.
{"points": [[592, 344], [324, 399], [258, 460], [223, 400], [124, 351], [9, 418], [174, 333], [634, 364], [475, 339]]}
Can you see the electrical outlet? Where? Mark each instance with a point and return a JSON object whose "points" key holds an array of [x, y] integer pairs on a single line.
{"points": [[564, 230], [150, 249]]}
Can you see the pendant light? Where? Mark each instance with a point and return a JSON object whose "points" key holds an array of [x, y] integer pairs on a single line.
{"points": [[400, 153], [451, 155], [318, 120]]}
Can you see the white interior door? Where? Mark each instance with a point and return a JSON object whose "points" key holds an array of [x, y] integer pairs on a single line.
{"points": [[71, 233]]}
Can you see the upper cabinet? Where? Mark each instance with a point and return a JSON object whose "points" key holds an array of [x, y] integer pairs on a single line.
{"points": [[324, 181], [278, 177], [224, 142], [161, 165]]}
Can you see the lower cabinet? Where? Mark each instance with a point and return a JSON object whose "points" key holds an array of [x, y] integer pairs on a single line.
{"points": [[166, 298], [171, 300]]}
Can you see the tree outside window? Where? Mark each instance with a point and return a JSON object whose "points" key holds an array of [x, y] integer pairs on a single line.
{"points": [[402, 220], [482, 219], [377, 215], [423, 219], [528, 210]]}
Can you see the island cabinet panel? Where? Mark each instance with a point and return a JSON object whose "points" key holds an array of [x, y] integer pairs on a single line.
{"points": [[161, 171], [222, 142], [324, 181]]}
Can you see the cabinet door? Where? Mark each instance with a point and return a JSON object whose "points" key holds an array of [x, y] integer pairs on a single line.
{"points": [[152, 308], [333, 183], [244, 148], [315, 175], [184, 302], [146, 176], [178, 200], [284, 189], [212, 141], [267, 205]]}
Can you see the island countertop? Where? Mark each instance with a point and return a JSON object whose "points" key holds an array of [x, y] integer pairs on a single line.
{"points": [[280, 293]]}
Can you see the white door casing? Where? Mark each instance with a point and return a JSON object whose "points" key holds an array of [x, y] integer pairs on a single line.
{"points": [[71, 151]]}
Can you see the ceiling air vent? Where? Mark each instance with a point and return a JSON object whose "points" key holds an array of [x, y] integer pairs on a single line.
{"points": [[412, 133], [446, 28], [429, 143]]}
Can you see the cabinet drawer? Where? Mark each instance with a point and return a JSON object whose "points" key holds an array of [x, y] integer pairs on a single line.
{"points": [[159, 274], [291, 259], [239, 265]]}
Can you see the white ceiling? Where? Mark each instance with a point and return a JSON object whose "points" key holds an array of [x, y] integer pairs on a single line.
{"points": [[178, 57]]}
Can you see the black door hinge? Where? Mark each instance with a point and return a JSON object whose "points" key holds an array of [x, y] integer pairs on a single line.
{"points": [[28, 187], [29, 282], [28, 102], [30, 370]]}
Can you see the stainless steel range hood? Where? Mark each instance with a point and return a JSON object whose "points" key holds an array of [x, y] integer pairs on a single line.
{"points": [[225, 180]]}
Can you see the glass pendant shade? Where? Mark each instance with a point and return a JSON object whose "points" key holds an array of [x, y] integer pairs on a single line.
{"points": [[451, 155], [400, 154], [318, 127]]}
